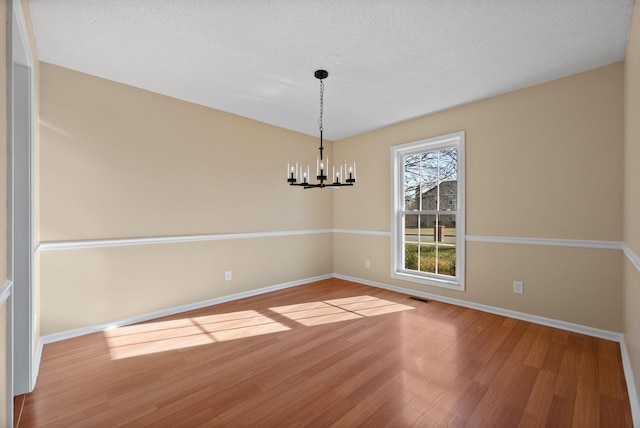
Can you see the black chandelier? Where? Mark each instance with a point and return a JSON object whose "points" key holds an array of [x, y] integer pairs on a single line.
{"points": [[345, 175]]}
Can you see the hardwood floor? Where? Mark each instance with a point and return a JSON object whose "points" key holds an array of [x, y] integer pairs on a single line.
{"points": [[331, 353]]}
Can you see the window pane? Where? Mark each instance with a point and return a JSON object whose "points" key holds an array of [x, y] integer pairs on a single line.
{"points": [[448, 179], [429, 177], [428, 258], [427, 248], [411, 239], [411, 182], [446, 238], [430, 167], [447, 229], [411, 227], [447, 164], [427, 228]]}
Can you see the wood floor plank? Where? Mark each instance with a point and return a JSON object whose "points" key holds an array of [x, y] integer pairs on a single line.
{"points": [[613, 413], [330, 353], [539, 403], [587, 409], [465, 405], [611, 376]]}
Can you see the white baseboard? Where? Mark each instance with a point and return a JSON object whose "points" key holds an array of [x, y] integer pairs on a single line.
{"points": [[563, 325], [69, 334], [631, 385], [36, 364]]}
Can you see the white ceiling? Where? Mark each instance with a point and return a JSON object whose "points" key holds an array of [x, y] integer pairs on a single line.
{"points": [[388, 60]]}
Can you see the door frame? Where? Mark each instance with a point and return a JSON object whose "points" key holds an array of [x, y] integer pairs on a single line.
{"points": [[20, 128]]}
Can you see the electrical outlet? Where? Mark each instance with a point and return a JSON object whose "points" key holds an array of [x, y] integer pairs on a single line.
{"points": [[227, 275], [518, 287], [367, 263]]}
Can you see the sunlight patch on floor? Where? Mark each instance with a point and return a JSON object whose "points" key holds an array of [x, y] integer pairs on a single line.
{"points": [[336, 310], [159, 336], [153, 337]]}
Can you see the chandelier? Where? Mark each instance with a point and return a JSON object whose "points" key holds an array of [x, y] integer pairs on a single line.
{"points": [[344, 175]]}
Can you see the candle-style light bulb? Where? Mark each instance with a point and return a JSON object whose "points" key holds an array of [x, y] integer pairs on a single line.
{"points": [[290, 173]]}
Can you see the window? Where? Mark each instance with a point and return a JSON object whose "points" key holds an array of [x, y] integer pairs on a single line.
{"points": [[428, 211]]}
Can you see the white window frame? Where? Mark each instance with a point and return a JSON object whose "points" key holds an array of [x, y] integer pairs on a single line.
{"points": [[456, 139]]}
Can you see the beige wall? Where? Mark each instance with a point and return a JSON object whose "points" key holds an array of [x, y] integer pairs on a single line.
{"points": [[120, 162], [632, 194], [130, 163], [91, 286], [542, 162]]}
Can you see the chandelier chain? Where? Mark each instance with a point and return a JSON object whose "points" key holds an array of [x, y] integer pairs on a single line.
{"points": [[321, 104]]}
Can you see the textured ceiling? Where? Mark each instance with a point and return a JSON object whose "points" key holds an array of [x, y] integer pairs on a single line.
{"points": [[388, 60]]}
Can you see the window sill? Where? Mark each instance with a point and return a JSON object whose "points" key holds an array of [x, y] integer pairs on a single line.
{"points": [[427, 280]]}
